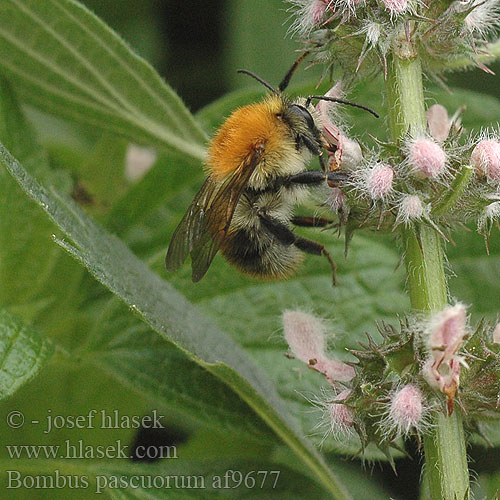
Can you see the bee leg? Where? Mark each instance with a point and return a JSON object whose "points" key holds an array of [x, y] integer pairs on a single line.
{"points": [[287, 237], [315, 248], [312, 221], [314, 178]]}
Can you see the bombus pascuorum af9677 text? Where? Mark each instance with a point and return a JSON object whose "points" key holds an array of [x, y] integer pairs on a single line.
{"points": [[256, 175]]}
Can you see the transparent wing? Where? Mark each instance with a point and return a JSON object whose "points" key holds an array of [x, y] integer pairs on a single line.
{"points": [[204, 226], [192, 228]]}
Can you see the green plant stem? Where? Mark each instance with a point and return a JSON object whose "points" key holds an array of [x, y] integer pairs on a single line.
{"points": [[446, 469]]}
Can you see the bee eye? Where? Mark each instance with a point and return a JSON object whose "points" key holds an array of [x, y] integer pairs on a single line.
{"points": [[304, 114]]}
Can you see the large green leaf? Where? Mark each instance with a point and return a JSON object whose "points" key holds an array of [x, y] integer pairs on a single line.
{"points": [[65, 60], [130, 352], [30, 265], [170, 173], [171, 315], [23, 352]]}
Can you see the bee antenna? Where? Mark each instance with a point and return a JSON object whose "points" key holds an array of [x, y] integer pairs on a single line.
{"points": [[259, 79], [286, 80], [341, 101]]}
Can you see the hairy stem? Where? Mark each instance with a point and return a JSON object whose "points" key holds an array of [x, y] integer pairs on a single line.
{"points": [[446, 469]]}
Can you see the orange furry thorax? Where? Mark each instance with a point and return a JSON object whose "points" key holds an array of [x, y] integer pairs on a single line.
{"points": [[239, 136]]}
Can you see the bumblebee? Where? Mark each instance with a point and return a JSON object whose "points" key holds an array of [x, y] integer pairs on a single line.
{"points": [[256, 175]]}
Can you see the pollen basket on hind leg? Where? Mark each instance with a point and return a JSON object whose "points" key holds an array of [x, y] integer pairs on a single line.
{"points": [[244, 130]]}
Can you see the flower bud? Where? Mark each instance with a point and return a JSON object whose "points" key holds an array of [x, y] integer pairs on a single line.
{"points": [[426, 157], [485, 158], [336, 199], [305, 335], [339, 416], [379, 181], [410, 208], [396, 6], [317, 11], [483, 18], [406, 409], [492, 211]]}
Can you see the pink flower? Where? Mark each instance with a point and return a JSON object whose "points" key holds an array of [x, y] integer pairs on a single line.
{"points": [[317, 10], [346, 152], [335, 371], [309, 14], [438, 122], [447, 332], [305, 335], [485, 158]]}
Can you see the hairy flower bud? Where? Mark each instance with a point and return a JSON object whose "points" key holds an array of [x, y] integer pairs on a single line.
{"points": [[410, 208], [379, 181], [426, 157], [483, 18], [485, 158], [396, 6], [305, 335], [309, 14], [338, 416], [406, 409], [492, 211], [317, 10], [336, 200]]}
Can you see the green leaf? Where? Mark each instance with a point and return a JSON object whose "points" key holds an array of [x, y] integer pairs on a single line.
{"points": [[73, 65], [23, 352], [100, 179], [130, 352], [171, 172], [475, 280], [30, 265], [172, 316]]}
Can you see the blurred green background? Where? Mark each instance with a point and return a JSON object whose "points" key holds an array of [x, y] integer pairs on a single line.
{"points": [[197, 46]]}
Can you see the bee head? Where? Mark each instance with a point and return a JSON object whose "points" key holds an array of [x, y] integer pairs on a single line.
{"points": [[302, 122], [299, 115]]}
